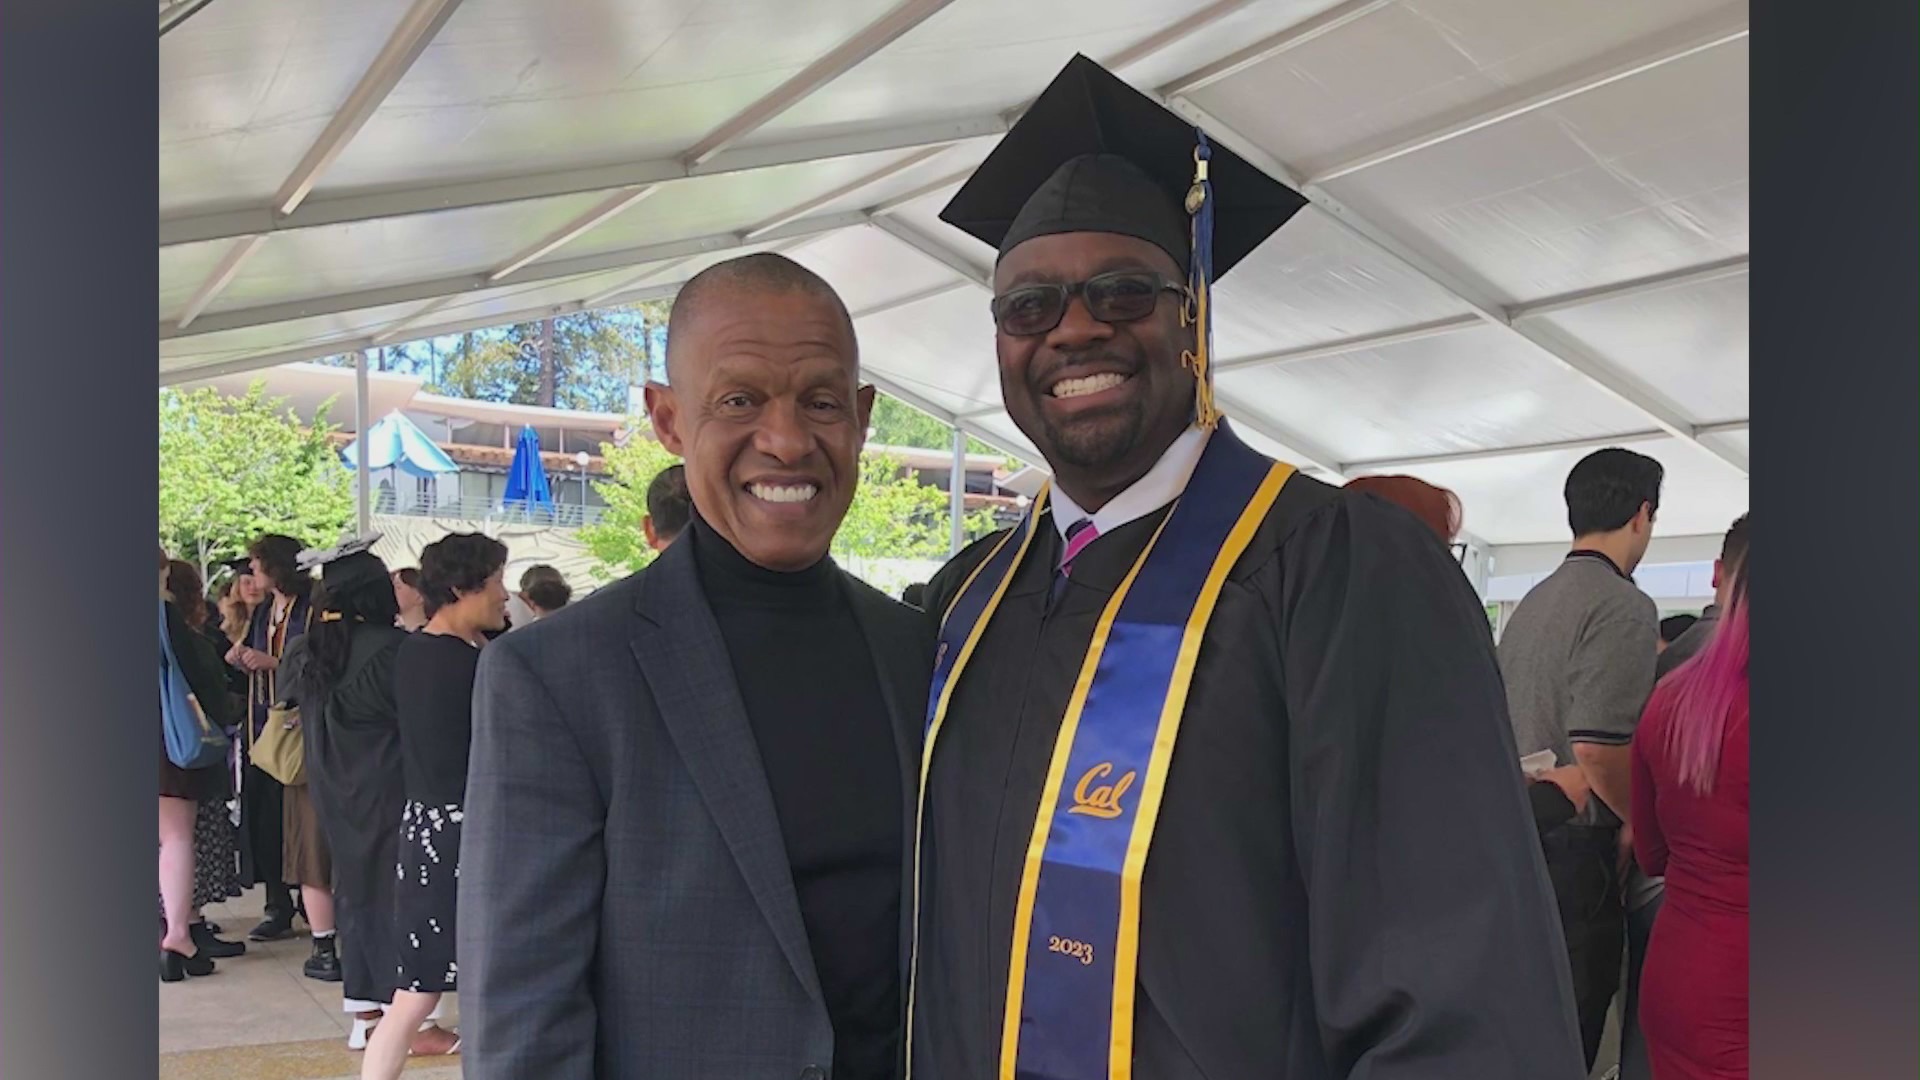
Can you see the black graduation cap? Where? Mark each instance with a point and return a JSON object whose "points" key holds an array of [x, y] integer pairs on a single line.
{"points": [[1095, 155], [241, 565], [346, 564]]}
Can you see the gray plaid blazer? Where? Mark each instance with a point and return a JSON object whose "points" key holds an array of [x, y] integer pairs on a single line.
{"points": [[626, 907]]}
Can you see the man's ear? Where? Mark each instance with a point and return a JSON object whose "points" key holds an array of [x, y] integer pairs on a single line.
{"points": [[863, 405], [663, 409], [646, 529]]}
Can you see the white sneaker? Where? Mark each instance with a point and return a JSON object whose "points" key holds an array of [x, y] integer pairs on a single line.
{"points": [[357, 1038]]}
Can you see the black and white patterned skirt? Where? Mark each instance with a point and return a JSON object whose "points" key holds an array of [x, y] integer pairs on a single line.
{"points": [[427, 891]]}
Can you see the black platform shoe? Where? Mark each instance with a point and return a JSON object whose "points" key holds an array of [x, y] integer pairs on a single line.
{"points": [[175, 967], [324, 964], [272, 928], [205, 940]]}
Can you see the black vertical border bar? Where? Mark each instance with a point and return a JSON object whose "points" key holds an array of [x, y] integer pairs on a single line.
{"points": [[1836, 377], [78, 281]]}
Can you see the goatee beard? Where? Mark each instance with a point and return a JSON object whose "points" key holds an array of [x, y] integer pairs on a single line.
{"points": [[1096, 443]]}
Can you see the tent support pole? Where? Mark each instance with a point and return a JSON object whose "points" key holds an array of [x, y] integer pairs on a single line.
{"points": [[957, 488], [362, 505]]}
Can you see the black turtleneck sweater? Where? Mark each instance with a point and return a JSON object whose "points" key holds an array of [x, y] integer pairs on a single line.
{"points": [[807, 677]]}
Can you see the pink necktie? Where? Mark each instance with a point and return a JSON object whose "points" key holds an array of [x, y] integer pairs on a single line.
{"points": [[1079, 535]]}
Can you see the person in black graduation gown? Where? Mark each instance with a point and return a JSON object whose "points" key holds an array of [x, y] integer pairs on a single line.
{"points": [[341, 674], [1344, 880]]}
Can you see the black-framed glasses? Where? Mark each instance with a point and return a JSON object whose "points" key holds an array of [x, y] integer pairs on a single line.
{"points": [[1121, 296]]}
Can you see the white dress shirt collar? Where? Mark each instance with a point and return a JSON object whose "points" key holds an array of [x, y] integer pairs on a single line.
{"points": [[1161, 485]]}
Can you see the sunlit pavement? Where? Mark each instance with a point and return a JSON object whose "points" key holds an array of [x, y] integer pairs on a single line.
{"points": [[258, 1018]]}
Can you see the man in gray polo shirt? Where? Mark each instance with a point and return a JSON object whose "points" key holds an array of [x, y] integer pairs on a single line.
{"points": [[1578, 657]]}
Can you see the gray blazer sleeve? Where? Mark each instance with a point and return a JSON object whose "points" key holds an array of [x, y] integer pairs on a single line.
{"points": [[532, 871]]}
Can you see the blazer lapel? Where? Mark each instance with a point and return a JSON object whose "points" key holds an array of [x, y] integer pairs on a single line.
{"points": [[684, 658]]}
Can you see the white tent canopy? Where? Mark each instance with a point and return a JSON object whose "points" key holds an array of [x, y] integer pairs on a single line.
{"points": [[1528, 235]]}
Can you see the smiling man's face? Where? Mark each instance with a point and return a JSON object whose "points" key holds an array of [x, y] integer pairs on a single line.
{"points": [[1101, 401], [767, 409]]}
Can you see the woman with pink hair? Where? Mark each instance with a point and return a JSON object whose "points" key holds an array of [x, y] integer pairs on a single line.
{"points": [[1690, 824]]}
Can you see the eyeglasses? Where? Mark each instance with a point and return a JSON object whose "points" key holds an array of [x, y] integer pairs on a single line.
{"points": [[1122, 296]]}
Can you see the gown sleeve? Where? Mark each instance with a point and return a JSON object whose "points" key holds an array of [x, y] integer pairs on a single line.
{"points": [[1435, 945]]}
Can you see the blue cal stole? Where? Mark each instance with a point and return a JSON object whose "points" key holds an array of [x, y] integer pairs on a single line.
{"points": [[1076, 933]]}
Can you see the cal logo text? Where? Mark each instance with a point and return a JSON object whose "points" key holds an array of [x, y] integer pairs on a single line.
{"points": [[1102, 801]]}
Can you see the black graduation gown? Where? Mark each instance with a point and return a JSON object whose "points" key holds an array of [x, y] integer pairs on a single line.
{"points": [[1344, 880], [353, 761]]}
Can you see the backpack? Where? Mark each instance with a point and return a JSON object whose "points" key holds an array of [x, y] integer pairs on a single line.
{"points": [[192, 741]]}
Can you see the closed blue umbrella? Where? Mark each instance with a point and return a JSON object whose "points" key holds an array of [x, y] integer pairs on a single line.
{"points": [[527, 477]]}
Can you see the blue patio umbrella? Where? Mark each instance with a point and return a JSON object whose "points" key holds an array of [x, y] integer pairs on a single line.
{"points": [[396, 443], [527, 476]]}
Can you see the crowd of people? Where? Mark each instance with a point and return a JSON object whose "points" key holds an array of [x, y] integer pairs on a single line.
{"points": [[371, 672], [1594, 675], [1204, 768]]}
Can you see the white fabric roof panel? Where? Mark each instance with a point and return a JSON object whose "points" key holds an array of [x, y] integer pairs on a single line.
{"points": [[1411, 66], [867, 269], [1317, 282], [973, 59], [318, 336], [392, 251], [1488, 172], [1502, 497], [940, 349], [1475, 389], [1689, 342], [683, 209], [1640, 177], [511, 86], [246, 87]]}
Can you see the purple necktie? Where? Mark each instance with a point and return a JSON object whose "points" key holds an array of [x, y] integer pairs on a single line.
{"points": [[1079, 535]]}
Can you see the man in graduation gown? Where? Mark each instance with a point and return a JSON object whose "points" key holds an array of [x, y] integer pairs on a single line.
{"points": [[1218, 779]]}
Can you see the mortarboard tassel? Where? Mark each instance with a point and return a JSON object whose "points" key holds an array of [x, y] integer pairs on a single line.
{"points": [[1199, 281]]}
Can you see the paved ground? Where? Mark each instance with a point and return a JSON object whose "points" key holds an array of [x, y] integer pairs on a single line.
{"points": [[258, 1018]]}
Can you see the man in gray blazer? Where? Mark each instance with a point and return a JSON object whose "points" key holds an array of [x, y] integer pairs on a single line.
{"points": [[691, 795]]}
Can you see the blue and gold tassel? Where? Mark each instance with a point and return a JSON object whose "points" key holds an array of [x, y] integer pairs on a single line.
{"points": [[1199, 282]]}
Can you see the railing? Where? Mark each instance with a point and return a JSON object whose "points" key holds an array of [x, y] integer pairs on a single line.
{"points": [[561, 515]]}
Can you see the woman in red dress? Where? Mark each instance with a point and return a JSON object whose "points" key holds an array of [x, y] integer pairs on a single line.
{"points": [[1690, 823]]}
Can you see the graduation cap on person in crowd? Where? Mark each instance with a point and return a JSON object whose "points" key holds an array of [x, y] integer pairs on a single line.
{"points": [[345, 565], [1093, 154]]}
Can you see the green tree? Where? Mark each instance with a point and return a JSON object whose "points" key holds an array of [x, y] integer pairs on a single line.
{"points": [[618, 544], [491, 369], [893, 516], [583, 360], [896, 423], [232, 468]]}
